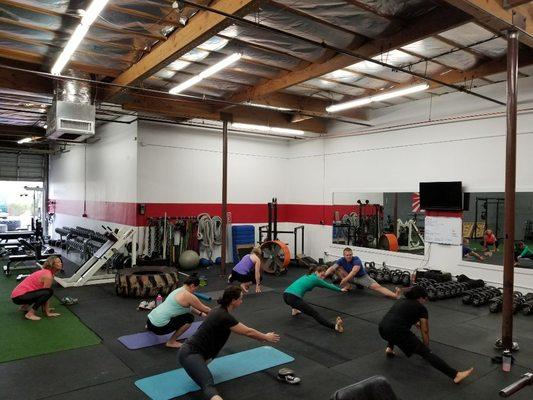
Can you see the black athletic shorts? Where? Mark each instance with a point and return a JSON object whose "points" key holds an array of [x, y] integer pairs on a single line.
{"points": [[235, 276]]}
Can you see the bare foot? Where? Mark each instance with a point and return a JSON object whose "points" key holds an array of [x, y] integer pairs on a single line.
{"points": [[339, 325], [389, 352], [174, 343], [295, 312], [398, 293], [462, 375], [244, 288], [31, 315]]}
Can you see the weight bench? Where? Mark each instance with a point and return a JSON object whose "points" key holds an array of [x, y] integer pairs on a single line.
{"points": [[25, 257]]}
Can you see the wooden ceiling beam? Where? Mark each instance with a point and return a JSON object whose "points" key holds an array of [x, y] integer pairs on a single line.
{"points": [[41, 60], [427, 25], [494, 15], [199, 28], [242, 114]]}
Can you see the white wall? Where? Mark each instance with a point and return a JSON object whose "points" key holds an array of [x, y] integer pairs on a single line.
{"points": [[396, 160], [99, 172], [182, 164]]}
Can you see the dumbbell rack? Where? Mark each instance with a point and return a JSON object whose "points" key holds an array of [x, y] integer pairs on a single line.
{"points": [[88, 273]]}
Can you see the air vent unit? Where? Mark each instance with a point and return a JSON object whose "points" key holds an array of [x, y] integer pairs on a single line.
{"points": [[70, 121], [72, 116]]}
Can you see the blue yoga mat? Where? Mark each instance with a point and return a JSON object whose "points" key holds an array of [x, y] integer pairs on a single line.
{"points": [[147, 339], [176, 383]]}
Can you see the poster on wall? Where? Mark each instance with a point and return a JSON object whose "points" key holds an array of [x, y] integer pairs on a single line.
{"points": [[443, 230]]}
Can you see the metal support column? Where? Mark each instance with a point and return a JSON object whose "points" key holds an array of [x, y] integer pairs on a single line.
{"points": [[224, 196], [510, 187]]}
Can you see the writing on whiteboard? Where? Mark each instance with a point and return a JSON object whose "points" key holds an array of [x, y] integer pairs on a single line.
{"points": [[443, 230]]}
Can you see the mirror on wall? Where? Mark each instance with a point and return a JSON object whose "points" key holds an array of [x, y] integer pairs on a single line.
{"points": [[387, 221], [483, 228]]}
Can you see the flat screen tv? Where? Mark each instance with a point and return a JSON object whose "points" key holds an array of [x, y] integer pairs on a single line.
{"points": [[445, 196]]}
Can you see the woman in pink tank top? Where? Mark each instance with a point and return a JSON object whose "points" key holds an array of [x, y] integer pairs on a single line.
{"points": [[36, 290]]}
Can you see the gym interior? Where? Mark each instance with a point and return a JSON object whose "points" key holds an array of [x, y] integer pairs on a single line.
{"points": [[377, 151]]}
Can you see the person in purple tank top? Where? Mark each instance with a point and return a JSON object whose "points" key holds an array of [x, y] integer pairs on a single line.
{"points": [[248, 271]]}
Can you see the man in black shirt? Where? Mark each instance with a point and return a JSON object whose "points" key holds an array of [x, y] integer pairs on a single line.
{"points": [[395, 328], [211, 336]]}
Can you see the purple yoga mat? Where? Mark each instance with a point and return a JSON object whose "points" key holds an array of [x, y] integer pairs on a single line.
{"points": [[147, 339]]}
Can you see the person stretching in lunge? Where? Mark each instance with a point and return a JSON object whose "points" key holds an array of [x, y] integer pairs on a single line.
{"points": [[211, 336], [395, 328], [350, 269], [248, 271], [174, 314], [36, 290], [293, 296]]}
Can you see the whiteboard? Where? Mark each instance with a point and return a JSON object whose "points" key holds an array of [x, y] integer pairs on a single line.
{"points": [[443, 230]]}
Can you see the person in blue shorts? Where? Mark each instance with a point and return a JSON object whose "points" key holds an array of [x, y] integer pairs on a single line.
{"points": [[350, 270], [468, 252]]}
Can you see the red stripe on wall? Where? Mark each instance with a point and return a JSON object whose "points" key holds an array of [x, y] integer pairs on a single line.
{"points": [[456, 214], [240, 213], [127, 213], [110, 211]]}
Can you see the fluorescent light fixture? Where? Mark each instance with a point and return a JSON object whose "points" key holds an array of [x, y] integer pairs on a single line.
{"points": [[267, 129], [401, 92], [267, 106], [185, 85], [380, 97], [25, 140], [92, 12], [88, 18], [206, 73], [349, 104]]}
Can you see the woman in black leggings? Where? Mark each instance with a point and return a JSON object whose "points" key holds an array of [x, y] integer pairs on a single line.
{"points": [[209, 339], [395, 328]]}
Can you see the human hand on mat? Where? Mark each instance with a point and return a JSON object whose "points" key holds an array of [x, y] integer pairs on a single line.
{"points": [[345, 289], [257, 288], [272, 337]]}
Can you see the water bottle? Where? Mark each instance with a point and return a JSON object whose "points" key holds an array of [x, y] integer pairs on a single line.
{"points": [[506, 360], [158, 300]]}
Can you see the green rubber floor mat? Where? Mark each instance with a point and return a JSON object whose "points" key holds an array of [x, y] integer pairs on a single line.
{"points": [[22, 338]]}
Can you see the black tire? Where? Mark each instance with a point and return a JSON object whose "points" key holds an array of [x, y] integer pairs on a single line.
{"points": [[146, 282]]}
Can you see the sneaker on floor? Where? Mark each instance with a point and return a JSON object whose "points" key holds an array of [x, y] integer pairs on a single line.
{"points": [[142, 305], [290, 379], [151, 305]]}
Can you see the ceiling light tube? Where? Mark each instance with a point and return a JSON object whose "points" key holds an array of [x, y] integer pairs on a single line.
{"points": [[349, 104], [267, 129], [88, 18], [25, 140], [401, 92], [206, 73], [380, 97]]}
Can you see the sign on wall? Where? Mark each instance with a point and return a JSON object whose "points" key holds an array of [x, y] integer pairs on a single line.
{"points": [[444, 230]]}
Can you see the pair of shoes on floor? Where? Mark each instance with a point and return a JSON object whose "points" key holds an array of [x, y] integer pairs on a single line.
{"points": [[146, 305], [69, 301]]}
